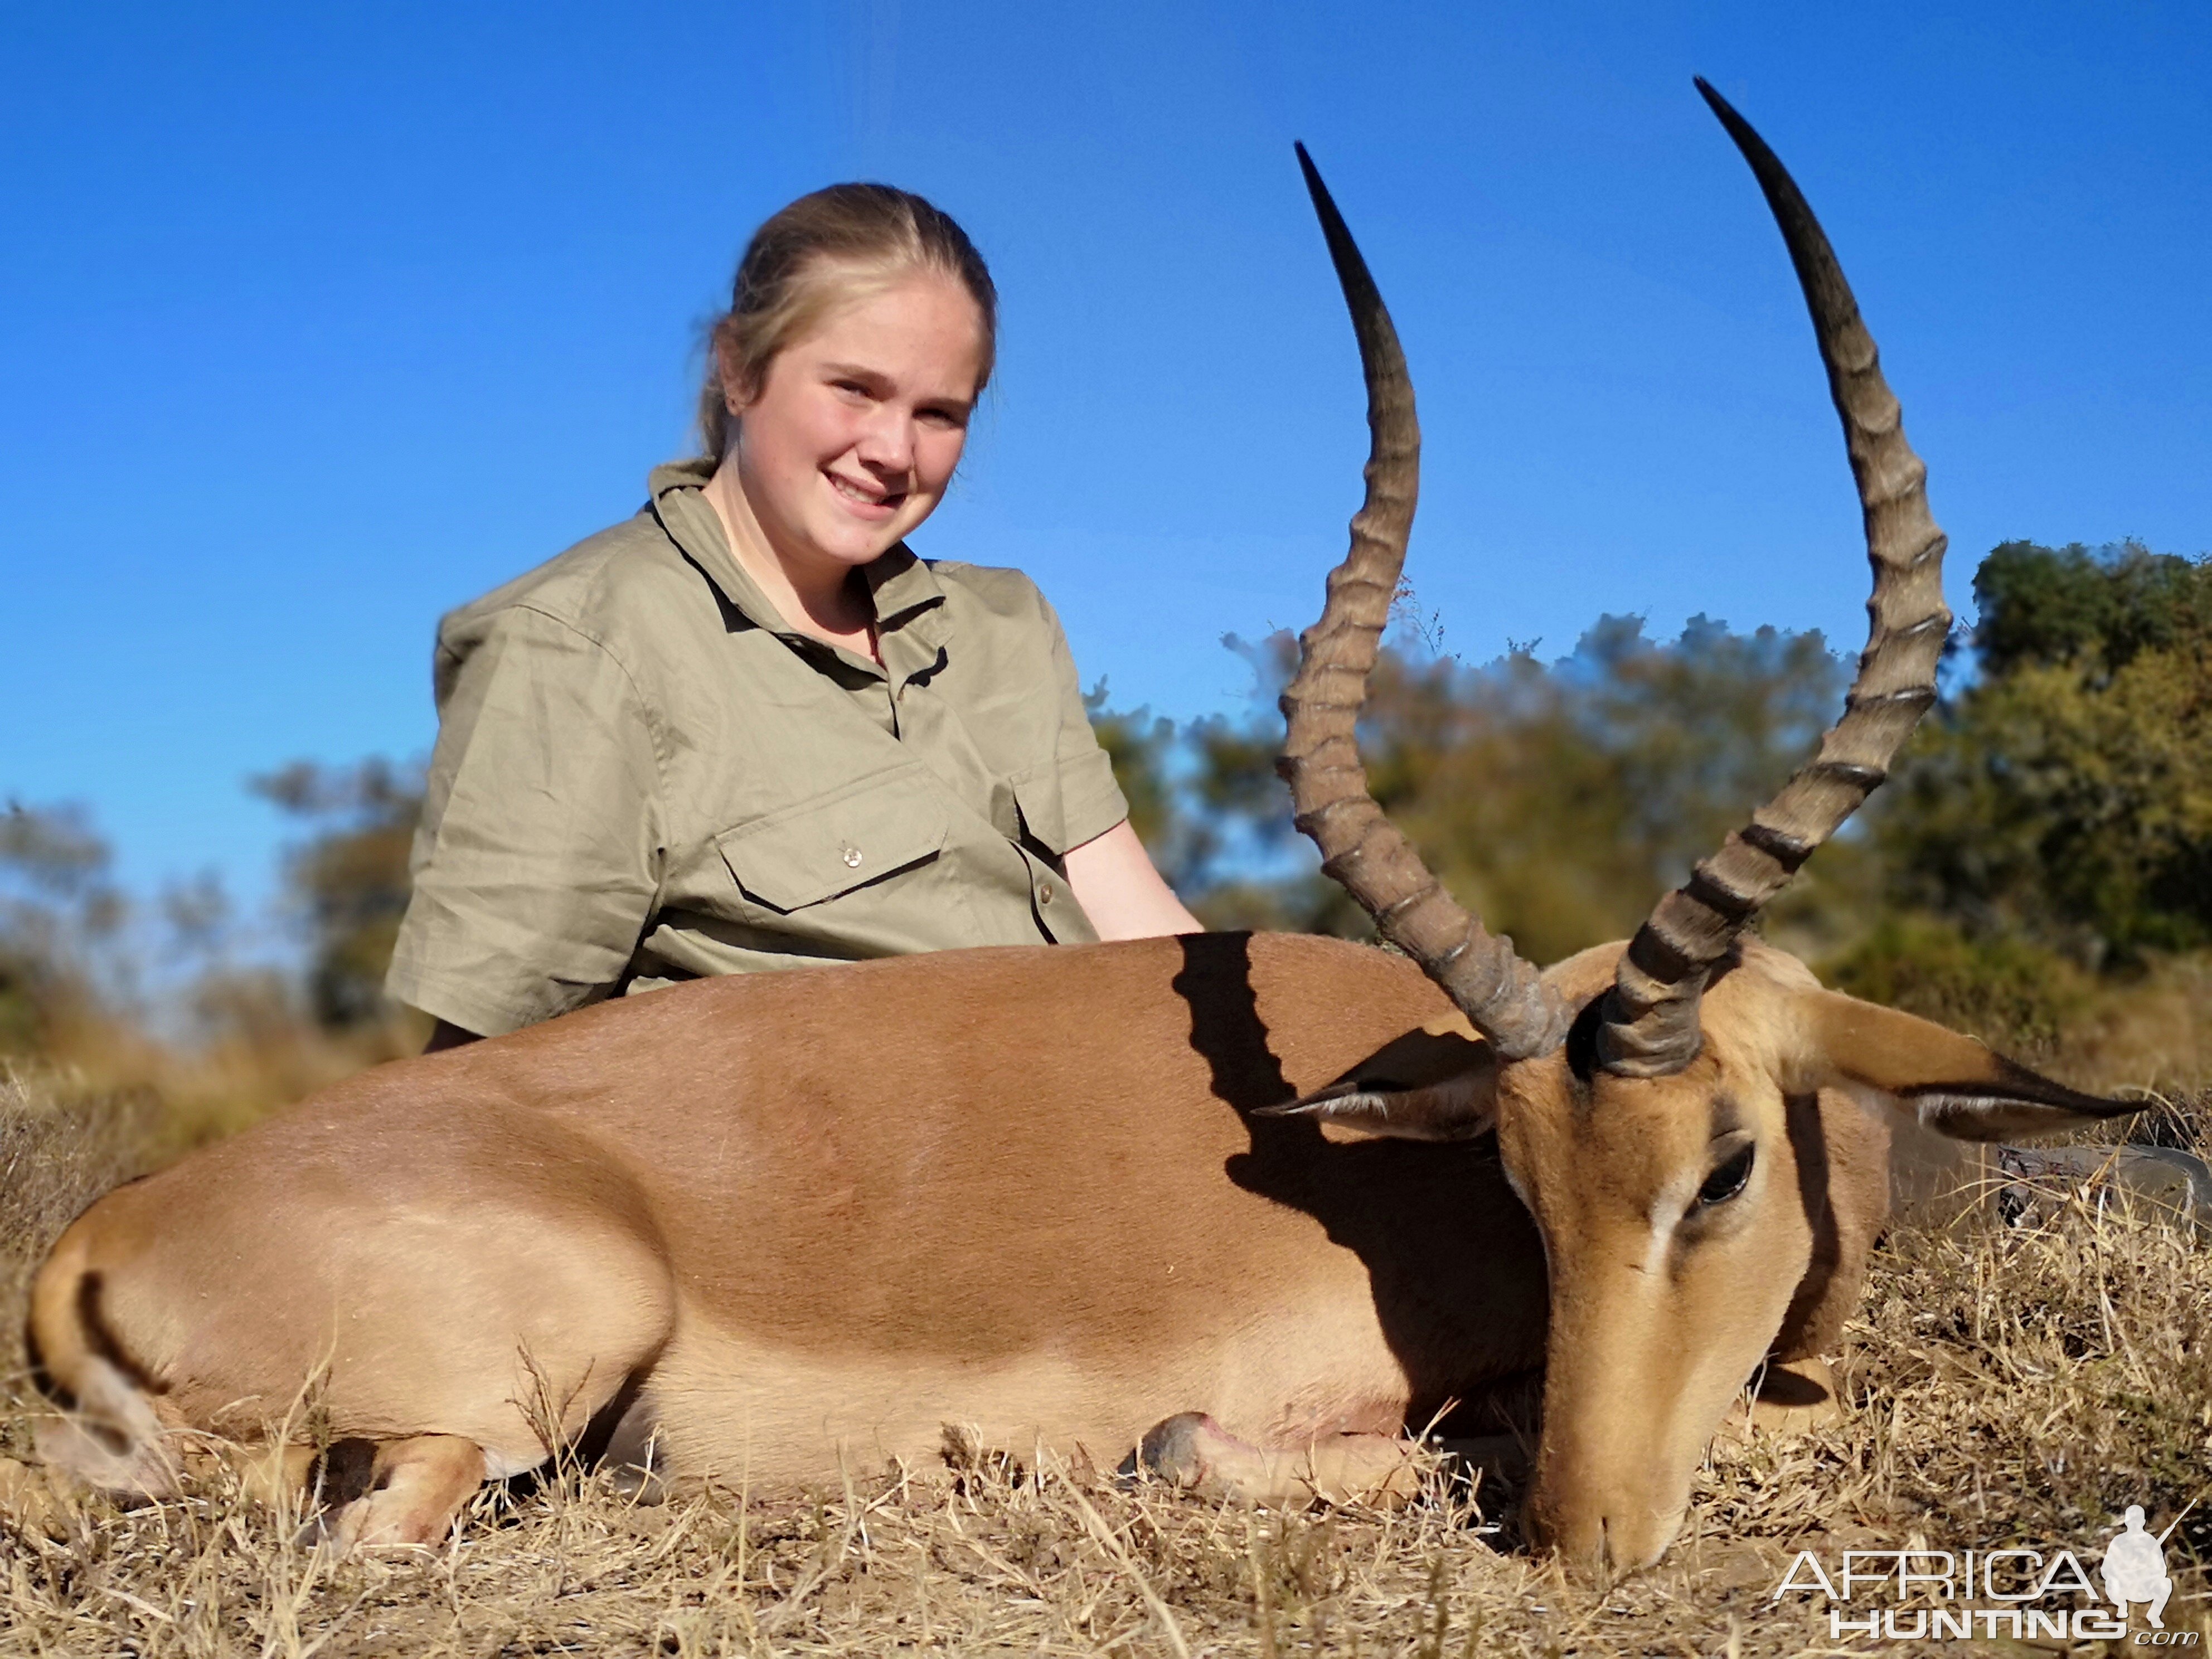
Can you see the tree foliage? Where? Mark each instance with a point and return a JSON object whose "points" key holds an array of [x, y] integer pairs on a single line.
{"points": [[1558, 800], [347, 882], [2064, 796], [2097, 611], [59, 906], [1562, 801]]}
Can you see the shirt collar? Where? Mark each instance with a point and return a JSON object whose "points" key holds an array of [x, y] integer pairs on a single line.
{"points": [[907, 596]]}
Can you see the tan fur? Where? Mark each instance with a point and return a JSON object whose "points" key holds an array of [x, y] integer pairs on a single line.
{"points": [[781, 1224], [417, 1486]]}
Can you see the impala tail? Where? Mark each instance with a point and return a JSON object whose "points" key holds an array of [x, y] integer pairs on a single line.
{"points": [[107, 1434]]}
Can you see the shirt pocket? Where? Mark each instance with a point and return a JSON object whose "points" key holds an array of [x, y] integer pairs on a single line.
{"points": [[1044, 814], [838, 840]]}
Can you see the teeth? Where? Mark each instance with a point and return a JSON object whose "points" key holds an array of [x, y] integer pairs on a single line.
{"points": [[846, 487]]}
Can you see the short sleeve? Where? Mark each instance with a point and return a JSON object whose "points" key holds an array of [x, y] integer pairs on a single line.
{"points": [[536, 864], [1090, 797]]}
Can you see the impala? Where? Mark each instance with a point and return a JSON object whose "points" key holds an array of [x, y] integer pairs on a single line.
{"points": [[1253, 1205]]}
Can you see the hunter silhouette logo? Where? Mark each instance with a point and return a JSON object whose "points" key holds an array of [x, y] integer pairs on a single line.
{"points": [[2135, 1567]]}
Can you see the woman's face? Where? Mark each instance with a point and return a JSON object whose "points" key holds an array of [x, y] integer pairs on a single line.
{"points": [[858, 424]]}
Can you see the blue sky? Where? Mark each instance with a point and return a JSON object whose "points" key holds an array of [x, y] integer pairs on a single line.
{"points": [[316, 323]]}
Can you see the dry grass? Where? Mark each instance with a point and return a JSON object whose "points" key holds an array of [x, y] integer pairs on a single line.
{"points": [[2007, 1387], [2155, 1033], [259, 1056]]}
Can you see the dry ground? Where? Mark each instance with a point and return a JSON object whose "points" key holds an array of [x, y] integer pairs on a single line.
{"points": [[2007, 1387]]}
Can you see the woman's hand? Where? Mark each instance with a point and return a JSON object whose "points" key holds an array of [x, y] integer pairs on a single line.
{"points": [[1114, 881]]}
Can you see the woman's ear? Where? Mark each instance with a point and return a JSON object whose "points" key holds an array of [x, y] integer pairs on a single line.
{"points": [[737, 382]]}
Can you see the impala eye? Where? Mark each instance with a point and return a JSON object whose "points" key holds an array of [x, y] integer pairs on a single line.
{"points": [[1728, 1179]]}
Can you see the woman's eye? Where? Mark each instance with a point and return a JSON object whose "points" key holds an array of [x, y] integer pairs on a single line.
{"points": [[1727, 1180]]}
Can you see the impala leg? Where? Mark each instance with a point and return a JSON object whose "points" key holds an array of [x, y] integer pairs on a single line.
{"points": [[1193, 1452], [415, 1488], [274, 1474]]}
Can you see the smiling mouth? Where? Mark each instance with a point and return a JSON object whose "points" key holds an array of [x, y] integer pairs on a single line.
{"points": [[861, 495]]}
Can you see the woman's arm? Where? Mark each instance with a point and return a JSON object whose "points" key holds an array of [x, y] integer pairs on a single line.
{"points": [[1112, 877], [1114, 881], [536, 862]]}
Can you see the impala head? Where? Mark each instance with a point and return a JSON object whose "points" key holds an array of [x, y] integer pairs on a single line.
{"points": [[1658, 1105]]}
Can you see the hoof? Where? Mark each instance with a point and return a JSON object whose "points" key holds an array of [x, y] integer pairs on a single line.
{"points": [[1181, 1452], [365, 1525], [638, 1483]]}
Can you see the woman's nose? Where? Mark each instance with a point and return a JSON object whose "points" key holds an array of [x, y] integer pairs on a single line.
{"points": [[887, 440]]}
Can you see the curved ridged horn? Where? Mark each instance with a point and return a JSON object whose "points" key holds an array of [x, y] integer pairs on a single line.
{"points": [[1501, 996], [1650, 1027]]}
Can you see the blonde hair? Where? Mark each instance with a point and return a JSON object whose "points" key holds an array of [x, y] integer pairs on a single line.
{"points": [[832, 246]]}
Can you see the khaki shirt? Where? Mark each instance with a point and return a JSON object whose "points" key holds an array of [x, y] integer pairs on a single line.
{"points": [[645, 775]]}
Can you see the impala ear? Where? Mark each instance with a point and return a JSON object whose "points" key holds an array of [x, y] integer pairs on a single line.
{"points": [[1438, 1082], [1952, 1083], [1456, 1107]]}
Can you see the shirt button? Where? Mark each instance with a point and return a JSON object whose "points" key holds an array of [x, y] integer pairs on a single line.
{"points": [[1044, 892], [852, 856]]}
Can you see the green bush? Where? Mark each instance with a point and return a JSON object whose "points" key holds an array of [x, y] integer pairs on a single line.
{"points": [[2013, 995], [2065, 794]]}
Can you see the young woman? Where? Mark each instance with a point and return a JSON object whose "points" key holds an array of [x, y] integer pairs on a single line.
{"points": [[747, 729]]}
